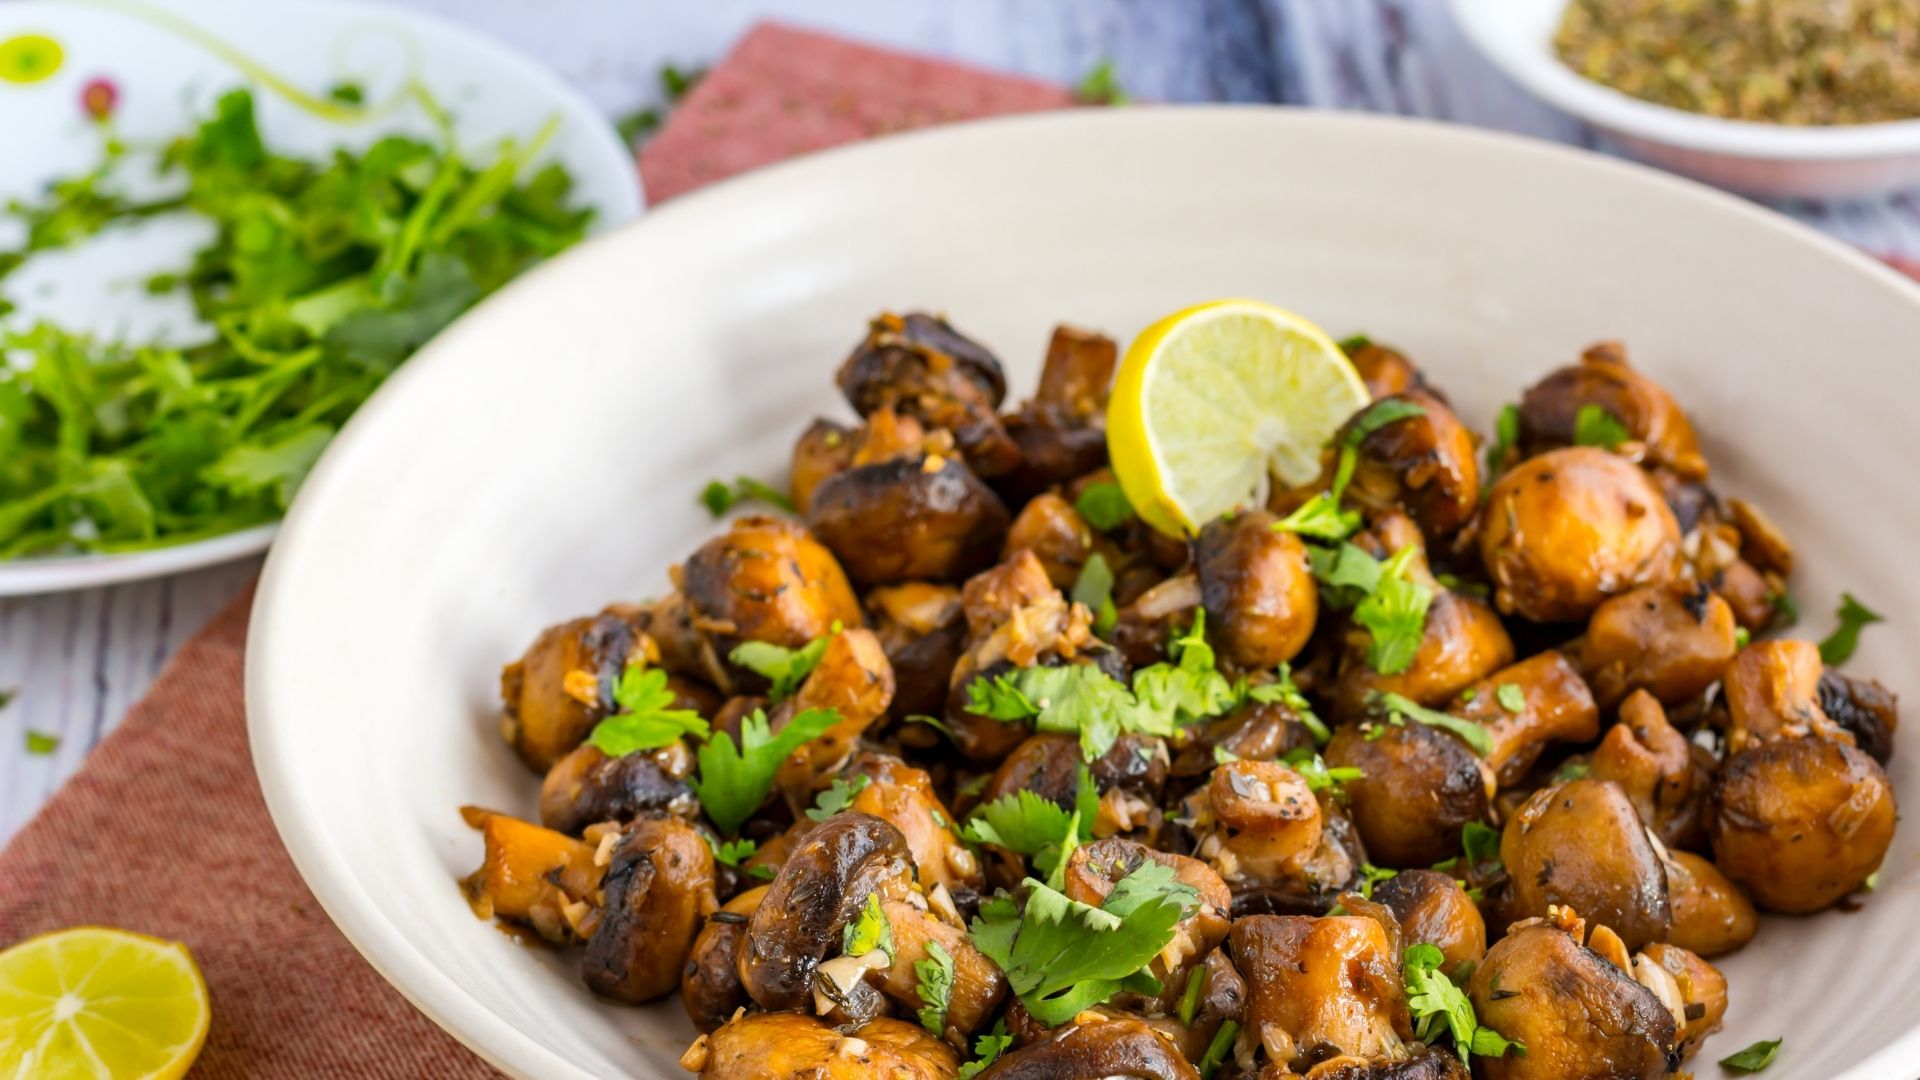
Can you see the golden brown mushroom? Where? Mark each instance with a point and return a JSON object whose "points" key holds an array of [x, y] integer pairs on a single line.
{"points": [[1711, 916], [1094, 1047], [1654, 765], [764, 579], [1258, 589], [1422, 463], [1434, 909], [1703, 992], [1062, 431], [1260, 822], [1564, 531], [1581, 845], [1773, 692], [545, 879], [1671, 640], [1550, 409], [823, 450], [1418, 787], [1057, 535], [1800, 823], [790, 1046], [563, 685], [1555, 706], [659, 890], [1321, 985], [710, 989], [904, 797]]}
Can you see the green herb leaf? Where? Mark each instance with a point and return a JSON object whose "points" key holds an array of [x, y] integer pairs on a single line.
{"points": [[732, 852], [1837, 648], [1314, 770], [986, 1050], [934, 985], [718, 498], [837, 797], [1481, 843], [1101, 86], [1347, 574], [1190, 997], [648, 719], [1510, 696], [1076, 699], [733, 780], [1378, 415], [1440, 1008], [40, 743], [868, 931], [1353, 343], [1593, 425], [1395, 614], [1753, 1058], [784, 668], [1094, 588], [1322, 518], [1506, 433], [1572, 770], [1027, 824], [1187, 689], [1283, 691], [1061, 956], [1104, 506], [1371, 875], [1472, 734], [1219, 1048]]}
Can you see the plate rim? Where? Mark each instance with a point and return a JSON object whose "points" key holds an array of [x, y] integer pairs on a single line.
{"points": [[324, 866], [48, 575]]}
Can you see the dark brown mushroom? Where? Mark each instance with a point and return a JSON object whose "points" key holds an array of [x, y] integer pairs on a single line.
{"points": [[1418, 788], [825, 449], [1581, 845], [1800, 823], [587, 786], [1550, 409], [1434, 909], [710, 988], [1864, 709], [923, 368], [1318, 987], [1422, 463], [563, 685], [1062, 431], [659, 890], [1426, 1063], [1095, 1047], [913, 517]]}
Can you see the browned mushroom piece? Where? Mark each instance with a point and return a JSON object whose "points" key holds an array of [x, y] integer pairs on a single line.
{"points": [[1426, 1063], [904, 797], [710, 989], [1711, 916], [1259, 822], [1057, 535], [919, 366], [1864, 709], [659, 890], [1094, 1046], [587, 786], [1256, 729], [1555, 706], [825, 449], [1800, 823], [853, 679], [1387, 371], [1580, 1016], [1581, 845], [1418, 788], [1550, 409], [1702, 989], [1221, 995], [1258, 590], [563, 685], [1670, 640], [918, 930], [764, 579], [823, 884], [542, 878], [1062, 430], [1092, 872], [788, 1045], [1773, 692], [923, 632], [1654, 765], [1317, 987], [1049, 766], [1434, 909], [684, 651], [1423, 463], [1144, 626], [1564, 531]]}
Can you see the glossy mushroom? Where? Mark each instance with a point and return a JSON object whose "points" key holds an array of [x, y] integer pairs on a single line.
{"points": [[1581, 845], [1258, 589], [563, 685], [1550, 409], [764, 579], [1800, 823], [789, 1045], [1321, 986], [659, 890], [921, 367], [1418, 787]]}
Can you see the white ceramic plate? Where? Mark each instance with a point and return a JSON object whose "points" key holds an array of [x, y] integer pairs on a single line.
{"points": [[468, 506], [166, 64], [1760, 159]]}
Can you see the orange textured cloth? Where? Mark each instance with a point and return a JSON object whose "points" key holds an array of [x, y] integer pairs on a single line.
{"points": [[164, 829]]}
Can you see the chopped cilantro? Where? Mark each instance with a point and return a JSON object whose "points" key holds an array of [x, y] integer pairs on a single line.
{"points": [[1061, 956], [986, 1050], [1472, 734], [1371, 875], [1094, 588], [1189, 688], [1026, 824], [1742, 637], [1481, 843], [733, 780], [1353, 343], [1104, 505], [732, 852], [1077, 699], [1441, 1008], [1282, 691], [1314, 770], [41, 743], [1347, 574], [934, 984], [1510, 696], [784, 668], [1506, 433], [718, 498], [1378, 415], [647, 720], [1785, 605], [1102, 86], [1593, 425], [1395, 615], [1572, 770], [1837, 648], [1321, 517], [868, 931], [837, 797], [1753, 1058]]}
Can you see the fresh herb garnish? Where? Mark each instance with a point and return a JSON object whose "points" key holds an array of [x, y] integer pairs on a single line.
{"points": [[718, 498], [1102, 86], [41, 743], [1742, 637], [1190, 997], [986, 1050], [1441, 1008], [1094, 588], [647, 720], [321, 278], [934, 984], [1510, 696], [1027, 824], [732, 852], [1061, 956], [1104, 506], [1282, 691], [1481, 843], [734, 780], [1371, 875], [837, 797], [1594, 425], [1353, 343], [1316, 772], [785, 669], [1506, 433], [1753, 1058], [1837, 648], [1472, 734], [1572, 770], [868, 931], [1395, 614], [1219, 1048], [1189, 687]]}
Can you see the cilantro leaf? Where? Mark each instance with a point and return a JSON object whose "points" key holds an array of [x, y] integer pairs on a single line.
{"points": [[1094, 588], [1104, 505], [1347, 574], [647, 720], [1378, 415], [1837, 648], [41, 743], [1510, 696], [1481, 843], [1753, 1058], [1282, 691], [1506, 433], [1027, 824], [1316, 772], [1189, 688], [1594, 425], [1101, 86], [837, 797], [1061, 956], [1076, 699], [1572, 770], [1395, 615], [733, 780], [986, 1050], [1472, 734], [1353, 343], [784, 668], [1441, 1008], [1371, 875], [732, 852], [718, 498], [868, 931], [1322, 518], [934, 984]]}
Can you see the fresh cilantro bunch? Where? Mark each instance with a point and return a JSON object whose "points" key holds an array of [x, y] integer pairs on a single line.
{"points": [[1061, 956], [1441, 1008], [321, 278]]}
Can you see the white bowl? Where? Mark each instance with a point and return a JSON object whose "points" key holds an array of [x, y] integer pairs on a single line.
{"points": [[1760, 159], [168, 66], [469, 504]]}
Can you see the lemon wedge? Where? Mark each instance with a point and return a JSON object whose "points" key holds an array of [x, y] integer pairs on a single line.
{"points": [[1214, 400], [96, 1002]]}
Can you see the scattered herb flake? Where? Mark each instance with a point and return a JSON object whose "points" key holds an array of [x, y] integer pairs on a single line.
{"points": [[934, 984], [719, 498], [1753, 1058], [1472, 734], [1594, 425], [734, 779], [647, 720], [1837, 648], [1104, 505], [41, 743], [1510, 696], [837, 797], [785, 669]]}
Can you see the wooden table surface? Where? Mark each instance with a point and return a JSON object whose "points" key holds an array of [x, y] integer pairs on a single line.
{"points": [[77, 661]]}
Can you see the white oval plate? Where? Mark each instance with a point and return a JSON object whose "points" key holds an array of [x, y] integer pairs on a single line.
{"points": [[433, 542], [1761, 159], [167, 65]]}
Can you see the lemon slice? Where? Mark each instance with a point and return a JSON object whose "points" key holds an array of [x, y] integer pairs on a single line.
{"points": [[1211, 401], [100, 1004]]}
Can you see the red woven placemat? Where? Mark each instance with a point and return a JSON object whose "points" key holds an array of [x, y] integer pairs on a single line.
{"points": [[164, 829]]}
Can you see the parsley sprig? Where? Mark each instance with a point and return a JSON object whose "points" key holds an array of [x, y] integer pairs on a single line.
{"points": [[647, 719], [1398, 708], [933, 983], [785, 669], [1104, 505], [1027, 824], [1595, 425], [1837, 648], [1441, 1008], [986, 1050], [837, 797], [734, 779]]}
